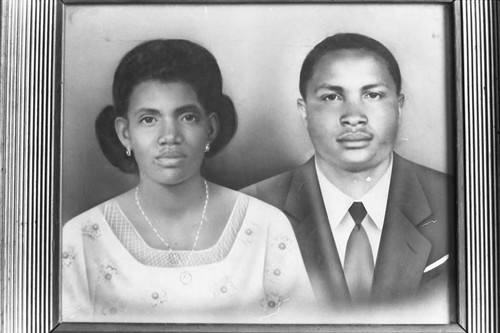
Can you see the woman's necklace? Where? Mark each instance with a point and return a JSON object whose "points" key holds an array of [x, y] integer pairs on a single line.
{"points": [[185, 276]]}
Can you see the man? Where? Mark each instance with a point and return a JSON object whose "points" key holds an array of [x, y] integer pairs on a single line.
{"points": [[373, 227]]}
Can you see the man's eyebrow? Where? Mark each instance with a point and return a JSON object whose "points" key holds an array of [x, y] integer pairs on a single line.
{"points": [[330, 87], [146, 110], [189, 108], [375, 85]]}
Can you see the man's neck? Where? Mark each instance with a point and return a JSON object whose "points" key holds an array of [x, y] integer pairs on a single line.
{"points": [[353, 184]]}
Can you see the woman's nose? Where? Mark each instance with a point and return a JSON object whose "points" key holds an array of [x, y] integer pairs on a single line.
{"points": [[169, 133], [353, 115]]}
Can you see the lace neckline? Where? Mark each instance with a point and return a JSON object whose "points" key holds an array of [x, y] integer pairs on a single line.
{"points": [[132, 241]]}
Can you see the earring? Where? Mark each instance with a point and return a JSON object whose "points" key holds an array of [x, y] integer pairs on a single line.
{"points": [[207, 147], [128, 152]]}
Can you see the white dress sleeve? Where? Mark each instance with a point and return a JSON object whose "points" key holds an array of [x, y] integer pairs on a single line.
{"points": [[76, 304], [288, 292]]}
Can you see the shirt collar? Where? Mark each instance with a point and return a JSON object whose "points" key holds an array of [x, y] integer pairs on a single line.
{"points": [[375, 200], [331, 194]]}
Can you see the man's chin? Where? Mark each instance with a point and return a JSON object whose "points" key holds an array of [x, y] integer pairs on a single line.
{"points": [[369, 165], [357, 167], [359, 161]]}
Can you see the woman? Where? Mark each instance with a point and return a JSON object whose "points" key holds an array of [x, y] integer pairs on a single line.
{"points": [[176, 248]]}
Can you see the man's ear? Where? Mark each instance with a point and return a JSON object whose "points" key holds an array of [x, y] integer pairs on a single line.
{"points": [[213, 126], [123, 131], [301, 106], [401, 103]]}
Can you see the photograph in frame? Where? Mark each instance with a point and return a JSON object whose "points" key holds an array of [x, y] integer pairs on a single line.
{"points": [[260, 58], [35, 97]]}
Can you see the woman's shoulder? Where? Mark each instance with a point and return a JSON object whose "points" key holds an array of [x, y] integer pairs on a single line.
{"points": [[90, 216], [81, 217], [99, 209], [252, 208], [260, 212], [263, 208]]}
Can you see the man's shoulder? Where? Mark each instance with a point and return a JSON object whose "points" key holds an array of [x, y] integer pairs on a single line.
{"points": [[400, 160], [438, 187], [436, 184], [275, 189], [281, 181], [439, 191]]}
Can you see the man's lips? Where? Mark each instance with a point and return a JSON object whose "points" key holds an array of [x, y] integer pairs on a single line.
{"points": [[354, 136]]}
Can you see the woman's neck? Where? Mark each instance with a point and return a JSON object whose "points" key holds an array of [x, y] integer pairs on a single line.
{"points": [[171, 201]]}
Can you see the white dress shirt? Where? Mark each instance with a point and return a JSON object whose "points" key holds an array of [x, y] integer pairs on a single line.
{"points": [[337, 205]]}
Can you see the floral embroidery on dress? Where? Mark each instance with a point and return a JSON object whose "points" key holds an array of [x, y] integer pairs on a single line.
{"points": [[157, 297], [93, 231], [112, 308], [272, 302], [224, 287], [247, 235], [282, 243], [68, 257], [107, 272], [273, 274]]}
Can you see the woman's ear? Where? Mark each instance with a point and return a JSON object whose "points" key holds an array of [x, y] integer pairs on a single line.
{"points": [[213, 126], [123, 131]]}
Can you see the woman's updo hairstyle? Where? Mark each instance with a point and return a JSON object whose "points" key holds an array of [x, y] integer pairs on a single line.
{"points": [[169, 60]]}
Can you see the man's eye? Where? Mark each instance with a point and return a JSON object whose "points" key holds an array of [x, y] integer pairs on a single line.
{"points": [[373, 95], [332, 97], [189, 118], [147, 120]]}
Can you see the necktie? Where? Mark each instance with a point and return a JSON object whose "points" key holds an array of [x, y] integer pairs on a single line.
{"points": [[358, 263]]}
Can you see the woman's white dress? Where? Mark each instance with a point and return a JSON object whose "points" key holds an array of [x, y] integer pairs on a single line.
{"points": [[254, 273]]}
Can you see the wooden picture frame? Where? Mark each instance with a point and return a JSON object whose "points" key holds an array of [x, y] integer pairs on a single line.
{"points": [[31, 99]]}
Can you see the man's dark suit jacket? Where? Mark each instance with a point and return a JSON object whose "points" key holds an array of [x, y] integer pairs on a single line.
{"points": [[418, 231]]}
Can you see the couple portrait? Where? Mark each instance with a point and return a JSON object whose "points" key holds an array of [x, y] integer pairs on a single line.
{"points": [[181, 205]]}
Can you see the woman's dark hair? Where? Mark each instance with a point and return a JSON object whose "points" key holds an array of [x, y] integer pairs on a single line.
{"points": [[165, 60], [347, 41]]}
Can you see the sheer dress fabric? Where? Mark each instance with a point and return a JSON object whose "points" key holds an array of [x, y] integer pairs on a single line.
{"points": [[254, 273]]}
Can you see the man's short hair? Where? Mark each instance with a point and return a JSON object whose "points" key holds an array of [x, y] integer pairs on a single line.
{"points": [[347, 41]]}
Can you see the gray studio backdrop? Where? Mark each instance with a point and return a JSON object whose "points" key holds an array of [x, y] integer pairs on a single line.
{"points": [[260, 49]]}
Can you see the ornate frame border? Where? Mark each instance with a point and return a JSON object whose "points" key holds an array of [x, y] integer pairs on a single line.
{"points": [[30, 101]]}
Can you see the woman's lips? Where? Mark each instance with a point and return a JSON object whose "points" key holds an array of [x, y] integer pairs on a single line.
{"points": [[171, 154], [170, 158]]}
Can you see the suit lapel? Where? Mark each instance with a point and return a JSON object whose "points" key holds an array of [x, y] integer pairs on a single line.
{"points": [[304, 205], [403, 250]]}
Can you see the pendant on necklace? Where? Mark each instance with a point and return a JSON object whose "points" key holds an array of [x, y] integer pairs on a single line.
{"points": [[186, 278]]}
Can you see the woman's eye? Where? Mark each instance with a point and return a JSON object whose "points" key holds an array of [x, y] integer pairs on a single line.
{"points": [[147, 120], [373, 95], [332, 97]]}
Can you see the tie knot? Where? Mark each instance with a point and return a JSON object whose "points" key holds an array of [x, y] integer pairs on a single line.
{"points": [[358, 212]]}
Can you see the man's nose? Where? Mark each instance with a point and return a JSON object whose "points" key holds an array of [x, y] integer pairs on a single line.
{"points": [[353, 114], [169, 133]]}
